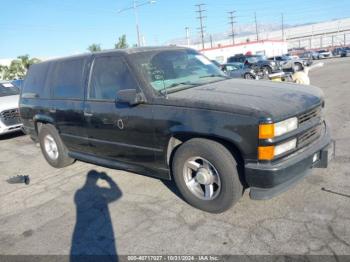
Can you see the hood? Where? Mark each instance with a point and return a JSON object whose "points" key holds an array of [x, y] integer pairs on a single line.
{"points": [[8, 102], [264, 99]]}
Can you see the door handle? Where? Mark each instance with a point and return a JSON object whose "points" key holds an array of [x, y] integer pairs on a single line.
{"points": [[88, 114]]}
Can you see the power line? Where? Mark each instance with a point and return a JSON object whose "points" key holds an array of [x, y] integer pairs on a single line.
{"points": [[201, 17], [232, 23]]}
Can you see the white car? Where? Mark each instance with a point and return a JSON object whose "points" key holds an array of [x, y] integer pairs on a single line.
{"points": [[9, 112], [324, 54]]}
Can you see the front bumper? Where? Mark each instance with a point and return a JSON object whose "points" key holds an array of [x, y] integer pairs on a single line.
{"points": [[270, 179], [9, 129]]}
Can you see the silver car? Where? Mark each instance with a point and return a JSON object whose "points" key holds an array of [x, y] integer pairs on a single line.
{"points": [[9, 113], [290, 63], [239, 70]]}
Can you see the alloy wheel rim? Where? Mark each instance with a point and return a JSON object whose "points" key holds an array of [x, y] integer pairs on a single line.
{"points": [[51, 147], [202, 178]]}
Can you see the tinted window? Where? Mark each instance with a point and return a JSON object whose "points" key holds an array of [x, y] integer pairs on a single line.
{"points": [[233, 59], [66, 79], [110, 74], [34, 83]]}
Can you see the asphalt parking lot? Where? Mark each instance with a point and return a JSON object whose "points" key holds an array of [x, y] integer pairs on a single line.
{"points": [[62, 211]]}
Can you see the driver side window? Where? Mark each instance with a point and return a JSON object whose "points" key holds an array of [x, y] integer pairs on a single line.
{"points": [[110, 74]]}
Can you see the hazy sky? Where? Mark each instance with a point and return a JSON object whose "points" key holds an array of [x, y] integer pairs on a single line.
{"points": [[46, 28]]}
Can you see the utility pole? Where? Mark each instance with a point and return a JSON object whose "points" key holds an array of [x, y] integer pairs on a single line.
{"points": [[187, 35], [282, 16], [232, 22], [201, 17], [256, 27]]}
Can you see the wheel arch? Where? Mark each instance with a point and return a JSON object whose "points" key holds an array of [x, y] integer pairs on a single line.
{"points": [[177, 139], [40, 120]]}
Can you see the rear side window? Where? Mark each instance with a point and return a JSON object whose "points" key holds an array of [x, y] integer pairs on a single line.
{"points": [[109, 75], [34, 84], [66, 79]]}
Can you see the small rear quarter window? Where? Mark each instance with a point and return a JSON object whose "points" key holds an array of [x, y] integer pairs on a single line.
{"points": [[34, 84]]}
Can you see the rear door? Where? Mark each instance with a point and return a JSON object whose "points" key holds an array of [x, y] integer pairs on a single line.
{"points": [[117, 131], [67, 79]]}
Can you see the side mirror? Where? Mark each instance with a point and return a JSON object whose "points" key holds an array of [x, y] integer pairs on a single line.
{"points": [[129, 96]]}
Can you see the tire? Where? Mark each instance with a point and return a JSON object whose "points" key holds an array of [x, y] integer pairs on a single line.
{"points": [[227, 189], [266, 71], [297, 67], [52, 147], [248, 76]]}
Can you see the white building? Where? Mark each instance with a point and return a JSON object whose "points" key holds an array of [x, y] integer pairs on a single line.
{"points": [[265, 47], [309, 36]]}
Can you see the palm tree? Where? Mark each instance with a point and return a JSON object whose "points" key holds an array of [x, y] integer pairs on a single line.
{"points": [[121, 42], [27, 62], [94, 48]]}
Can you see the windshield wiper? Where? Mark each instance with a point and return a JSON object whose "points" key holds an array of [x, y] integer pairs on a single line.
{"points": [[166, 90]]}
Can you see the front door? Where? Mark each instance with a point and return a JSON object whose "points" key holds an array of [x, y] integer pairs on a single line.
{"points": [[117, 131]]}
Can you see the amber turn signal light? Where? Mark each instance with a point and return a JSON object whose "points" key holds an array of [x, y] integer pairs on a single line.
{"points": [[266, 152], [266, 131]]}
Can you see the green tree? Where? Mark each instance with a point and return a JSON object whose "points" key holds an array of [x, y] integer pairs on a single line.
{"points": [[18, 67], [121, 43], [27, 62], [3, 69], [15, 70], [94, 48]]}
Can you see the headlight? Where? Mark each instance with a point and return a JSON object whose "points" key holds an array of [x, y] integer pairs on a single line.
{"points": [[269, 152], [285, 147], [286, 126], [267, 131]]}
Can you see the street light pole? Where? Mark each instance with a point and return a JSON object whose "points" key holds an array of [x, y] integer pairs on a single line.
{"points": [[137, 23], [135, 6], [187, 35]]}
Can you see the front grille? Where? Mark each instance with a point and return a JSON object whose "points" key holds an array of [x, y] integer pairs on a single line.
{"points": [[305, 117], [309, 136], [10, 117]]}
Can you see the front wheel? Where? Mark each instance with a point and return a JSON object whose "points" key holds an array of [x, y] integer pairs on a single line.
{"points": [[297, 67], [266, 71], [248, 76], [206, 175]]}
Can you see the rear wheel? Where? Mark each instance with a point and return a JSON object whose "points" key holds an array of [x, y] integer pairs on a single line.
{"points": [[206, 175], [52, 147]]}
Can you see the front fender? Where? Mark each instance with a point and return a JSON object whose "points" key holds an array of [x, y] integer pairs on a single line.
{"points": [[41, 118]]}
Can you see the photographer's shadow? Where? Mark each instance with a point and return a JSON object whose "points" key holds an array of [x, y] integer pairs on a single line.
{"points": [[93, 236]]}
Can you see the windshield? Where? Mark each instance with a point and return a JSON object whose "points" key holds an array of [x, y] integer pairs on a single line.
{"points": [[8, 89], [173, 70]]}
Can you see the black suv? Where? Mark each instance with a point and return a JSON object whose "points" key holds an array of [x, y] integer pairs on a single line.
{"points": [[260, 61], [168, 112]]}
